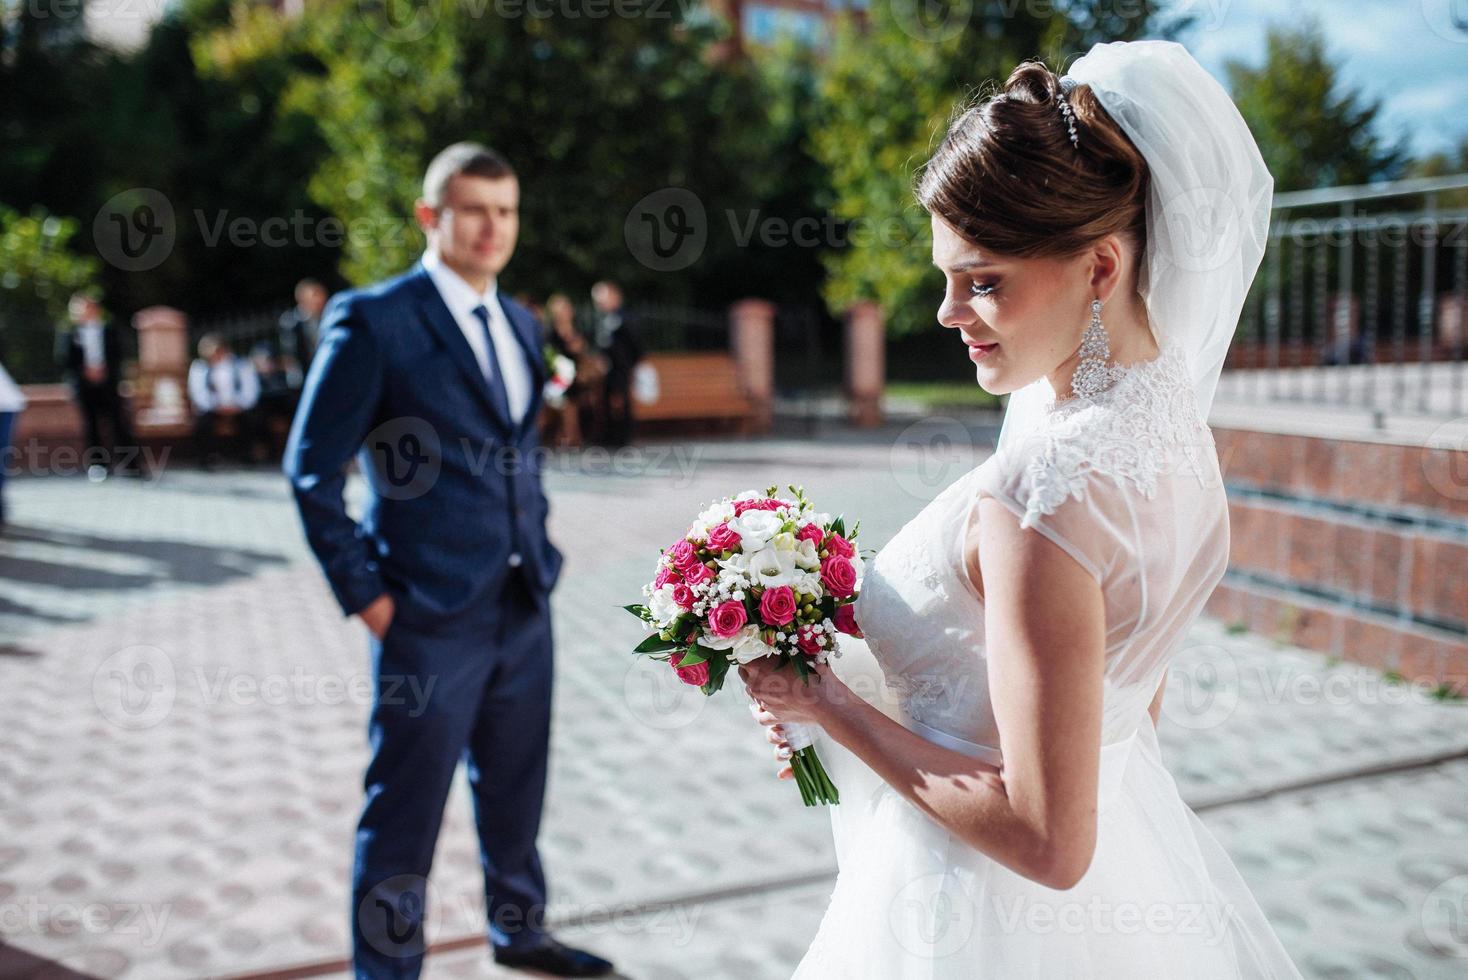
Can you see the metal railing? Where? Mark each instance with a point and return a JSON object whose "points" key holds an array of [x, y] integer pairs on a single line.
{"points": [[1361, 301]]}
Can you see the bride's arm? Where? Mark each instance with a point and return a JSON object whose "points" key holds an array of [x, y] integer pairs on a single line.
{"points": [[1045, 638]]}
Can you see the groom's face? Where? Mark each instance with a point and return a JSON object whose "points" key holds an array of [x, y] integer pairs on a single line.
{"points": [[476, 224]]}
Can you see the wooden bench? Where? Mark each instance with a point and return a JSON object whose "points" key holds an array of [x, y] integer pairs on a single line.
{"points": [[696, 387]]}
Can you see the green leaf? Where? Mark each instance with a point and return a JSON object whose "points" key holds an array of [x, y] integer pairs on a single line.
{"points": [[656, 644]]}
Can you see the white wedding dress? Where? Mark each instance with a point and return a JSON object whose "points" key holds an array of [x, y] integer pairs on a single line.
{"points": [[1128, 484]]}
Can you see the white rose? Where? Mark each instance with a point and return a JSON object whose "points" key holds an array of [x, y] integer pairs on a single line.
{"points": [[662, 606], [714, 642], [755, 528], [771, 568], [751, 646]]}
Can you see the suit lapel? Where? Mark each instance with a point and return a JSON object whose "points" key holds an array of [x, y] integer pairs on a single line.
{"points": [[436, 314]]}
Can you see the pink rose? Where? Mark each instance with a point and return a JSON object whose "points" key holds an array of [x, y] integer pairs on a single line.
{"points": [[723, 538], [838, 575], [760, 503], [696, 675], [777, 605], [683, 595], [683, 554], [665, 575], [837, 545], [845, 620], [727, 618], [811, 533], [805, 639], [697, 574]]}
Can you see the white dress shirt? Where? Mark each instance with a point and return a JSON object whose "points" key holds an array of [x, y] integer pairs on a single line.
{"points": [[232, 382], [11, 399], [461, 299], [94, 354]]}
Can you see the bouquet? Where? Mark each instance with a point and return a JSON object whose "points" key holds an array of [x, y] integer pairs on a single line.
{"points": [[756, 576]]}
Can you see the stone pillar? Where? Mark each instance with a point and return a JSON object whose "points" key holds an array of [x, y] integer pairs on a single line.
{"points": [[1452, 319], [161, 399], [752, 342], [866, 363]]}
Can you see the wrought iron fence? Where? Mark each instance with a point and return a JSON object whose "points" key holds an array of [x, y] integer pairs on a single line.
{"points": [[1361, 301]]}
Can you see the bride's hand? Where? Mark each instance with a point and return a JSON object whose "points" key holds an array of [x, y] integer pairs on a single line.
{"points": [[775, 735], [780, 696], [786, 695]]}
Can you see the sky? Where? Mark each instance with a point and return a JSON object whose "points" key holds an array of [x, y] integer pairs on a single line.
{"points": [[1406, 53]]}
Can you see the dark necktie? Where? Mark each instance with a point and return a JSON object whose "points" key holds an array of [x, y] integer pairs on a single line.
{"points": [[495, 381]]}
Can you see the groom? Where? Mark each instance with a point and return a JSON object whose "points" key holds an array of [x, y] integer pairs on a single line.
{"points": [[433, 381]]}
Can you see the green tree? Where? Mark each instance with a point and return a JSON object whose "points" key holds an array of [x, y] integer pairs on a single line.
{"points": [[888, 90], [38, 273], [1313, 131], [595, 113]]}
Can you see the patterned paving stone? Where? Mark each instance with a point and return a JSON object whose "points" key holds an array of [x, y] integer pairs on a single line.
{"points": [[180, 768]]}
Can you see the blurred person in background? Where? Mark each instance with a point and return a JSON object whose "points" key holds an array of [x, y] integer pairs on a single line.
{"points": [[278, 398], [223, 389], [616, 339], [580, 398], [12, 403], [91, 354], [300, 330]]}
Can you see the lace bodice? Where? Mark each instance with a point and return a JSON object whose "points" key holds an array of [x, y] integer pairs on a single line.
{"points": [[1128, 484]]}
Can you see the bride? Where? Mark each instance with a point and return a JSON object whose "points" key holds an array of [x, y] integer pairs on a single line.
{"points": [[1005, 812]]}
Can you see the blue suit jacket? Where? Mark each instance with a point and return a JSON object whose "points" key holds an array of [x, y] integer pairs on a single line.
{"points": [[454, 501]]}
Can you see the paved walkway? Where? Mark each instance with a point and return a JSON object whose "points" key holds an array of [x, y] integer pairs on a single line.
{"points": [[180, 762]]}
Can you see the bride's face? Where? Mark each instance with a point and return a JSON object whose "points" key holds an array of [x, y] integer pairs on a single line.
{"points": [[1032, 311]]}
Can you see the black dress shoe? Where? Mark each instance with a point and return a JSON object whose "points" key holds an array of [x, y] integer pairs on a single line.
{"points": [[553, 958]]}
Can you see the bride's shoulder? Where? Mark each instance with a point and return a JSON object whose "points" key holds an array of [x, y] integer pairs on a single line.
{"points": [[1125, 438]]}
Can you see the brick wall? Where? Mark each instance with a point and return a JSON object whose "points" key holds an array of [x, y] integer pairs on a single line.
{"points": [[1355, 549]]}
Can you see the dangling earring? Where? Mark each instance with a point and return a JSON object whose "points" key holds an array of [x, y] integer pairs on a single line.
{"points": [[1094, 374]]}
